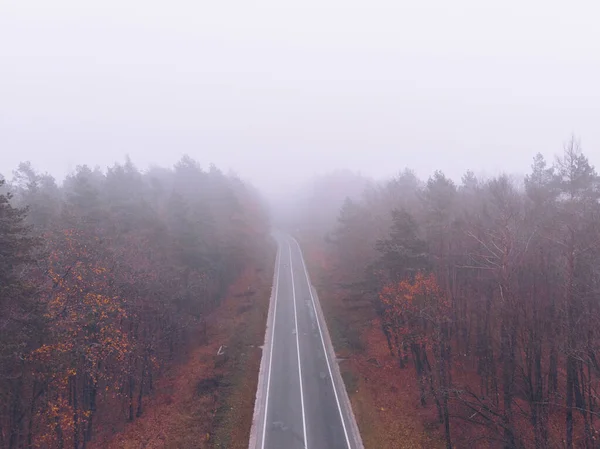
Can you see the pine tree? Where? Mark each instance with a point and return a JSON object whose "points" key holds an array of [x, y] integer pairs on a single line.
{"points": [[20, 318]]}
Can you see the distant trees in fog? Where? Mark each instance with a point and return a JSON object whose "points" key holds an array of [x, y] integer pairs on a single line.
{"points": [[104, 279], [490, 293]]}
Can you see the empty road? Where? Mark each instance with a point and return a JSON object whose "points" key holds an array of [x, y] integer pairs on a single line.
{"points": [[301, 400]]}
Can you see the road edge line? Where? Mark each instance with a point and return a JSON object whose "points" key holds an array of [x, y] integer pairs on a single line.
{"points": [[298, 349], [336, 375], [259, 408]]}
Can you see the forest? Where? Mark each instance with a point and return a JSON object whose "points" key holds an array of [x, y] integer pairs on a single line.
{"points": [[487, 293], [484, 292], [106, 279]]}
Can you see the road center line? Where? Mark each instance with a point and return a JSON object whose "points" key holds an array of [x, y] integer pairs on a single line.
{"points": [[322, 341], [271, 351], [298, 348]]}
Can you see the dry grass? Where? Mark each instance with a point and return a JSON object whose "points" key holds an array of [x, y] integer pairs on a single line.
{"points": [[233, 417], [386, 400]]}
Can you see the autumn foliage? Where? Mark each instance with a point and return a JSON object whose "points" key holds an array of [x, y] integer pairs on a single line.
{"points": [[107, 280], [488, 293], [416, 322]]}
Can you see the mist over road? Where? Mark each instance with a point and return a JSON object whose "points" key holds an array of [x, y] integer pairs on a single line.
{"points": [[301, 399]]}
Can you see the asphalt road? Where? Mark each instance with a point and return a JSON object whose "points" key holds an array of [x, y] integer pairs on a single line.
{"points": [[301, 400]]}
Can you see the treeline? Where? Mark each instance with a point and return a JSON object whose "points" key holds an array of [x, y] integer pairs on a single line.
{"points": [[489, 292], [106, 279]]}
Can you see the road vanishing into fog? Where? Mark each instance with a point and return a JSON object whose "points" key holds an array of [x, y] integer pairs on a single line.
{"points": [[301, 400]]}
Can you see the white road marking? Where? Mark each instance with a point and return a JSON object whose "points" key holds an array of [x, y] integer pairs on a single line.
{"points": [[322, 341], [271, 354], [298, 347]]}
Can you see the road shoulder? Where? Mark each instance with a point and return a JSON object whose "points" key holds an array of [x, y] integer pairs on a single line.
{"points": [[263, 374]]}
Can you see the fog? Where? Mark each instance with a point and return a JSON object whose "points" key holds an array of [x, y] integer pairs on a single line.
{"points": [[424, 169], [280, 91]]}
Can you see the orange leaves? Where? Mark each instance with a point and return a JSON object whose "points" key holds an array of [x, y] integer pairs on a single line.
{"points": [[126, 271], [420, 294], [414, 308], [89, 333]]}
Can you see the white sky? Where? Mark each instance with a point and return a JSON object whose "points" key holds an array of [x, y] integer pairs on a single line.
{"points": [[279, 90]]}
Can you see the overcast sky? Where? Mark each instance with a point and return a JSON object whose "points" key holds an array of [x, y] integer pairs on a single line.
{"points": [[280, 89]]}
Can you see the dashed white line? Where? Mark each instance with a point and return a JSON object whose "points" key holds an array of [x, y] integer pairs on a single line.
{"points": [[298, 348], [271, 353], [322, 341]]}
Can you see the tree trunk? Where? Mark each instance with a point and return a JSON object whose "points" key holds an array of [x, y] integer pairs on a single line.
{"points": [[445, 383], [419, 370], [569, 403], [130, 395], [75, 404], [60, 439], [139, 411], [15, 420], [571, 369], [508, 365], [92, 393], [34, 396]]}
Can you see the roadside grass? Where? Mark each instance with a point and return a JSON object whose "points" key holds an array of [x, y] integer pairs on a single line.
{"points": [[235, 407], [346, 338]]}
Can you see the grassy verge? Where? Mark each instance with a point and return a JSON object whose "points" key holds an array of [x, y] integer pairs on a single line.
{"points": [[235, 407]]}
